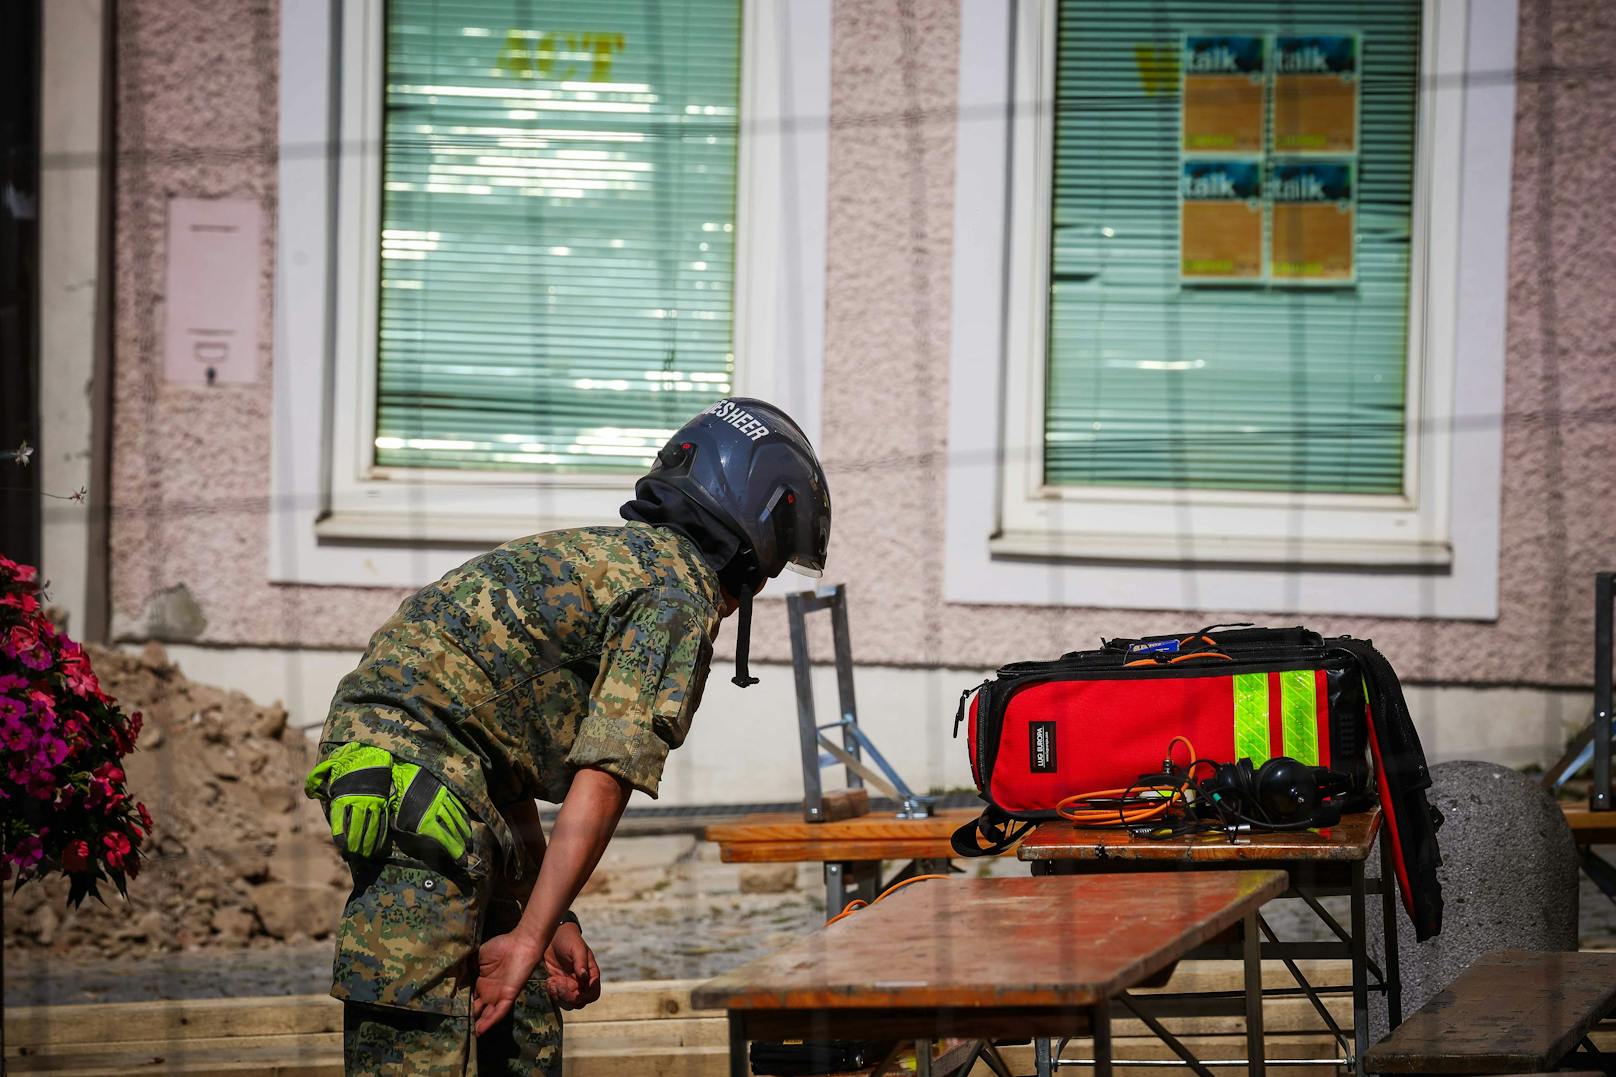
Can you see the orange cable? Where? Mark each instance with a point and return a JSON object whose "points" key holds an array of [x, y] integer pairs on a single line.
{"points": [[859, 903]]}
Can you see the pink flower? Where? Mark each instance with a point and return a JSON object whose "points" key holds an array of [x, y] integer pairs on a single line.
{"points": [[28, 852], [25, 573], [25, 644], [76, 857], [23, 601], [118, 847], [53, 749], [44, 708], [12, 684], [81, 679]]}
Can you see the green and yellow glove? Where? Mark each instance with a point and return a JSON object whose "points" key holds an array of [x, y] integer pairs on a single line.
{"points": [[354, 781], [366, 792], [422, 805]]}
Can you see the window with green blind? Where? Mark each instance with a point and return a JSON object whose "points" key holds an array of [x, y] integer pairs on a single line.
{"points": [[1262, 384], [557, 238]]}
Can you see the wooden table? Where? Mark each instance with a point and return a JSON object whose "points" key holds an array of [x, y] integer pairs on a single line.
{"points": [[850, 849], [1318, 864], [992, 958]]}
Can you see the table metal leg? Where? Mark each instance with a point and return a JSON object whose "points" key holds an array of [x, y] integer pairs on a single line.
{"points": [[1043, 1056], [1360, 971], [1393, 975], [922, 1058], [739, 1066], [1102, 1038], [1254, 994], [835, 888]]}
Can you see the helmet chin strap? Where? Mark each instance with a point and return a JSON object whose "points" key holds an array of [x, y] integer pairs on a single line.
{"points": [[743, 640]]}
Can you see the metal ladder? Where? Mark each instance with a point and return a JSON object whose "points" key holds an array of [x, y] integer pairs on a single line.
{"points": [[818, 749]]}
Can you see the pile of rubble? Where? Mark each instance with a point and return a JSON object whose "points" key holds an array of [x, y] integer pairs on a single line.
{"points": [[238, 858]]}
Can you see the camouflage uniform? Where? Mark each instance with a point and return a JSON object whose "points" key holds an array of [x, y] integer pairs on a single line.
{"points": [[582, 648]]}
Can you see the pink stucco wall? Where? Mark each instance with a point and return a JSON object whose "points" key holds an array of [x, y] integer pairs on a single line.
{"points": [[197, 117]]}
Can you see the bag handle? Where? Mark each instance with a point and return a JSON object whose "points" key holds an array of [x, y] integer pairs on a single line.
{"points": [[1001, 831]]}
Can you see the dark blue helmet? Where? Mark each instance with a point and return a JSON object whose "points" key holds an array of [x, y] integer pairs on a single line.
{"points": [[747, 463]]}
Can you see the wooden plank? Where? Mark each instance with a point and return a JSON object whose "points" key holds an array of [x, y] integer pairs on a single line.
{"points": [[173, 1019], [1591, 827], [812, 852], [1044, 941], [845, 804], [274, 1054], [112, 1022], [1060, 840], [1280, 1015], [1512, 1011], [785, 826]]}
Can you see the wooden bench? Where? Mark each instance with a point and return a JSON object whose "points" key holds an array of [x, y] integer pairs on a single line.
{"points": [[1509, 1012], [852, 850], [1590, 827]]}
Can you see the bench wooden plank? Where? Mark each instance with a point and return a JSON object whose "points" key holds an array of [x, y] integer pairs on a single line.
{"points": [[1048, 941], [1509, 1012], [784, 837], [1591, 827]]}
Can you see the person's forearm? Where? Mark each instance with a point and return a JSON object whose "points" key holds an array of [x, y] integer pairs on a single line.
{"points": [[588, 816]]}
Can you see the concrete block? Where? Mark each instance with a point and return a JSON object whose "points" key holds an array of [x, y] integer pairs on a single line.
{"points": [[1509, 881]]}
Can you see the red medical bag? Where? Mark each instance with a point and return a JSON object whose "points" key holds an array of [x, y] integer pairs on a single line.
{"points": [[1040, 732]]}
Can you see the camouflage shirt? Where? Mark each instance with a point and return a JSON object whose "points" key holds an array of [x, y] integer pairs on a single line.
{"points": [[580, 648]]}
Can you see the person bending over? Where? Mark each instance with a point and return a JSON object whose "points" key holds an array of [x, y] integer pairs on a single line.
{"points": [[560, 667]]}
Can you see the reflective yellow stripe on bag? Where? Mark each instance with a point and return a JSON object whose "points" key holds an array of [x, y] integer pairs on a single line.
{"points": [[1251, 717], [1298, 715]]}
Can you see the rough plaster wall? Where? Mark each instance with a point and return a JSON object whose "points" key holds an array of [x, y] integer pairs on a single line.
{"points": [[197, 117], [885, 374]]}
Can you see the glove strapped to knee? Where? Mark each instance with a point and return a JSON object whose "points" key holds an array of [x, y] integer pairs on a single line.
{"points": [[365, 793], [423, 805]]}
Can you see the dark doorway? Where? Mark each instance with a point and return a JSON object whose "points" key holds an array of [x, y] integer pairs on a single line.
{"points": [[19, 276]]}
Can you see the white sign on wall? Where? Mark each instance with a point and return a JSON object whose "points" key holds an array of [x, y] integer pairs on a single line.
{"points": [[211, 328]]}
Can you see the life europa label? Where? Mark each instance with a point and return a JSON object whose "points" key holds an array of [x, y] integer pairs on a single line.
{"points": [[741, 419]]}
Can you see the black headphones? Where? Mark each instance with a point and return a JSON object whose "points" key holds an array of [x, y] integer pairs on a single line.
{"points": [[1282, 794]]}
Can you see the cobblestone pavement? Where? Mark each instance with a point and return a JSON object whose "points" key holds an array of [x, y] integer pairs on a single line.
{"points": [[659, 908]]}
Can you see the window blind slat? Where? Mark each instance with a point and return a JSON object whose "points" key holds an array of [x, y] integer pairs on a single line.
{"points": [[1155, 382], [557, 249]]}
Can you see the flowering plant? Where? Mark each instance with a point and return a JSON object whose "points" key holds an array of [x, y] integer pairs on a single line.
{"points": [[63, 805]]}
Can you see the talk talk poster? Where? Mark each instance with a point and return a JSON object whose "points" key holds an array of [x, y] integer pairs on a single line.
{"points": [[1316, 88], [1314, 222], [1221, 220], [1224, 93]]}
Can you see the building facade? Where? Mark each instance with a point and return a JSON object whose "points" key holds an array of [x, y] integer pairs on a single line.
{"points": [[1070, 378]]}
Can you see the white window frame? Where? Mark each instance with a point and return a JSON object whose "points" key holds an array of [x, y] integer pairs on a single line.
{"points": [[1175, 549], [339, 517]]}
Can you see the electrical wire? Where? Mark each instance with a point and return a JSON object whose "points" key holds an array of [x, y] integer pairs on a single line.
{"points": [[859, 903]]}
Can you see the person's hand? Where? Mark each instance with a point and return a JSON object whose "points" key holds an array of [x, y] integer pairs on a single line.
{"points": [[573, 978], [504, 964]]}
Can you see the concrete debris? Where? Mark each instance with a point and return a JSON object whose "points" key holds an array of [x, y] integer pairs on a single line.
{"points": [[768, 878]]}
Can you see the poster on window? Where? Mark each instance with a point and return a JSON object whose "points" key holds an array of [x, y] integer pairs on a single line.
{"points": [[1224, 93], [1316, 93], [1314, 222], [1220, 236]]}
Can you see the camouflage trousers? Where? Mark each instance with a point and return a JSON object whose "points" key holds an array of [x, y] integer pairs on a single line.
{"points": [[406, 962]]}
